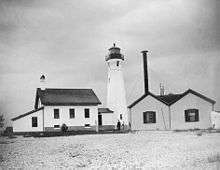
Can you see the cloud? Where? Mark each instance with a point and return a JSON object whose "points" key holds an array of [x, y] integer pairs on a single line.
{"points": [[68, 40]]}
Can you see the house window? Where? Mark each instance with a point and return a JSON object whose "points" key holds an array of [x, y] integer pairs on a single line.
{"points": [[120, 116], [86, 113], [192, 115], [117, 63], [149, 117], [87, 125], [56, 126], [56, 114], [34, 121], [72, 113]]}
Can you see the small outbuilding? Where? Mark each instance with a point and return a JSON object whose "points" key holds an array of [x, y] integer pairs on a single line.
{"points": [[106, 119], [187, 110]]}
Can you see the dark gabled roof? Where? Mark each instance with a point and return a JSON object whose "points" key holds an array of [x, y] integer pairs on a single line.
{"points": [[66, 97], [28, 113], [172, 98], [143, 96], [104, 110], [199, 95]]}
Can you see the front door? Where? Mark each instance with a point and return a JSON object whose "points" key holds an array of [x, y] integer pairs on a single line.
{"points": [[100, 119]]}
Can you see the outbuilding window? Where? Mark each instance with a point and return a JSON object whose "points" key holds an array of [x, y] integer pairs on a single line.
{"points": [[149, 117], [34, 121], [72, 113], [192, 115], [56, 114], [86, 113]]}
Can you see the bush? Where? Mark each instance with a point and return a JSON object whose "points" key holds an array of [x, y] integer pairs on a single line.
{"points": [[64, 128], [8, 131], [199, 133]]}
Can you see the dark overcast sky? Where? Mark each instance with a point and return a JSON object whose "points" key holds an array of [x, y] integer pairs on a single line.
{"points": [[67, 41]]}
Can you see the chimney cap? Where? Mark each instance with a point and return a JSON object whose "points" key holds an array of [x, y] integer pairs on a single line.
{"points": [[42, 77]]}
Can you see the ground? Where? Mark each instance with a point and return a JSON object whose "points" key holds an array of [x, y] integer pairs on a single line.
{"points": [[141, 149]]}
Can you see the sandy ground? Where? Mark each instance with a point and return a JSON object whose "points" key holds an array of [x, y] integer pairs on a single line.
{"points": [[152, 149]]}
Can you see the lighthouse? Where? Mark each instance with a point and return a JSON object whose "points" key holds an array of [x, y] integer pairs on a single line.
{"points": [[116, 97]]}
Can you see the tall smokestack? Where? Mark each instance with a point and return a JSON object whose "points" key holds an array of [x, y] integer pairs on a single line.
{"points": [[145, 71]]}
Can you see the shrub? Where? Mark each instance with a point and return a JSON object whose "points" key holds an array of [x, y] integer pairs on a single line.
{"points": [[199, 133], [8, 131], [64, 128]]}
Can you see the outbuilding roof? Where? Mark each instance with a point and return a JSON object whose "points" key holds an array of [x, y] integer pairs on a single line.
{"points": [[104, 110], [28, 113], [66, 97], [172, 98]]}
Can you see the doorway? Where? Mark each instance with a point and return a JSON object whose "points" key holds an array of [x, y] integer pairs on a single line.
{"points": [[100, 119]]}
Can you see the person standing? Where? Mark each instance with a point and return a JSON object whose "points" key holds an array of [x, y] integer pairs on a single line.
{"points": [[119, 125]]}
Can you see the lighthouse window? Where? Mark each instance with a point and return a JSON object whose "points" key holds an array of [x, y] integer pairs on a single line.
{"points": [[121, 116], [117, 63]]}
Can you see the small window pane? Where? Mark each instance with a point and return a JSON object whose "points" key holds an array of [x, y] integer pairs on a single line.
{"points": [[87, 125], [86, 113], [56, 114], [56, 126], [72, 113], [192, 115], [149, 117], [34, 121]]}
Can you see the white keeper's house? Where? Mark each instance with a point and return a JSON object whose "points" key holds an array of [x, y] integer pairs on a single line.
{"points": [[187, 110], [77, 108]]}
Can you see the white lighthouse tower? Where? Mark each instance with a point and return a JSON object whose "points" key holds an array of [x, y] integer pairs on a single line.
{"points": [[116, 97]]}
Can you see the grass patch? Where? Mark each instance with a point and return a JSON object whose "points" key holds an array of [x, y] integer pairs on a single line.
{"points": [[180, 130], [6, 142]]}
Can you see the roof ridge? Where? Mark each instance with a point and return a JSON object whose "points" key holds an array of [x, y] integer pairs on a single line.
{"points": [[171, 101], [27, 113]]}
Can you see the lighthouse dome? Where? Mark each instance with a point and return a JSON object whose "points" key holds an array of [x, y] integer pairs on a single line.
{"points": [[114, 53]]}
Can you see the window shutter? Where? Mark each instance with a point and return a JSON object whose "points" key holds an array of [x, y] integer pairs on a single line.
{"points": [[196, 115], [186, 116], [154, 117], [144, 118]]}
